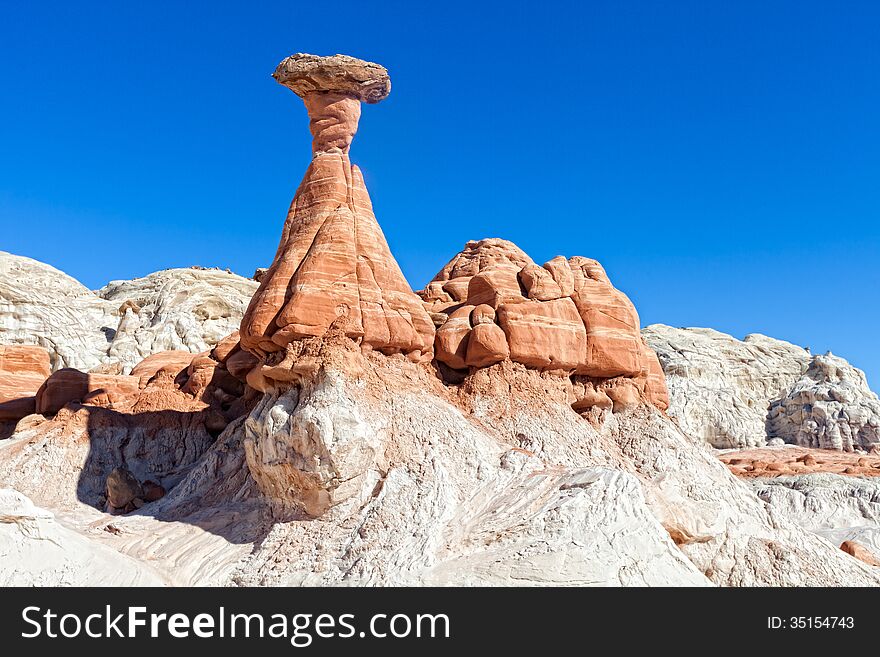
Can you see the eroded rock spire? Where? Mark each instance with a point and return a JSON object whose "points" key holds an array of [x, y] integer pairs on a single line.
{"points": [[333, 265]]}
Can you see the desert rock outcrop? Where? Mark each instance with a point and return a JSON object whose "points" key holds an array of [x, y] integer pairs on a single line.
{"points": [[306, 74], [459, 489], [23, 368], [494, 303], [323, 445], [124, 490], [720, 388], [116, 327], [830, 407], [169, 363], [333, 265], [40, 305], [174, 310], [70, 385], [769, 462]]}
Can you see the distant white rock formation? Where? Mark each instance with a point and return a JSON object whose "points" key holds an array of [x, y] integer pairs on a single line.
{"points": [[830, 407], [720, 388], [118, 326], [175, 309]]}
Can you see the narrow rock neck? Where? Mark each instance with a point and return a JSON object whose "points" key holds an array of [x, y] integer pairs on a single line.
{"points": [[333, 121]]}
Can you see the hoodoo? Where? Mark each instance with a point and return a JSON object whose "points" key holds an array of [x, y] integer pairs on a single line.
{"points": [[333, 265]]}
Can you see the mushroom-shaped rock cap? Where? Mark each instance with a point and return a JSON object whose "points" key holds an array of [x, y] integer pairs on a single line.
{"points": [[303, 74]]}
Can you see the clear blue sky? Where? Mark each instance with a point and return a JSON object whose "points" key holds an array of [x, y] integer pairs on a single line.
{"points": [[721, 159]]}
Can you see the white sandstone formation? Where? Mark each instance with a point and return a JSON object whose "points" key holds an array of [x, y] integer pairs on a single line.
{"points": [[121, 324], [402, 480], [836, 507], [720, 388], [35, 550], [175, 309], [502, 483], [830, 407], [43, 306]]}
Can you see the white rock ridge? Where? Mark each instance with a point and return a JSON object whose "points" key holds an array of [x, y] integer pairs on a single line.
{"points": [[830, 407], [836, 507], [115, 328], [175, 309], [720, 388], [43, 306], [35, 550]]}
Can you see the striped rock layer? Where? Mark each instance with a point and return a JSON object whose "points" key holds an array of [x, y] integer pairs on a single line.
{"points": [[23, 368], [492, 302], [333, 265]]}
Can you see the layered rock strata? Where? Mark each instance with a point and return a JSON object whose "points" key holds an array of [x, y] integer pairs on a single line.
{"points": [[23, 369], [491, 303], [771, 462], [843, 509], [720, 388], [148, 427], [333, 265], [741, 394], [113, 329], [830, 407]]}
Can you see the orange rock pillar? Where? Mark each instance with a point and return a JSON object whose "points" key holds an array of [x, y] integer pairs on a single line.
{"points": [[333, 265]]}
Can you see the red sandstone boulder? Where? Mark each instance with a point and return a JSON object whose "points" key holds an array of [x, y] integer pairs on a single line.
{"points": [[122, 490], [457, 288], [565, 316], [544, 334], [483, 314], [860, 552], [201, 372], [495, 286], [539, 283], [172, 363], [226, 347], [486, 345], [614, 344], [69, 385], [451, 341], [23, 369], [240, 363], [562, 275]]}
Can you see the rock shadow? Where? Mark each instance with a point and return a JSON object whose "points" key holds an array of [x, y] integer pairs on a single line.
{"points": [[197, 456]]}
